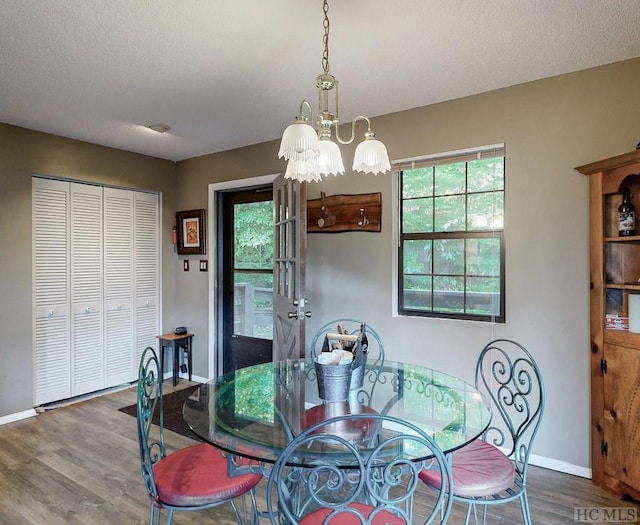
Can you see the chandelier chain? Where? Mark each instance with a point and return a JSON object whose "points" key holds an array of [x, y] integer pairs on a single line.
{"points": [[325, 38]]}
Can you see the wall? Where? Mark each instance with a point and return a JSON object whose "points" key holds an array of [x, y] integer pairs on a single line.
{"points": [[22, 154], [549, 127]]}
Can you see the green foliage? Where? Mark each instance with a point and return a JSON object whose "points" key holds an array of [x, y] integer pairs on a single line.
{"points": [[257, 403], [253, 235], [444, 273]]}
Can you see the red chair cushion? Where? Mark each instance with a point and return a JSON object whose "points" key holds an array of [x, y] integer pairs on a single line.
{"points": [[196, 476], [383, 518], [351, 430], [479, 470]]}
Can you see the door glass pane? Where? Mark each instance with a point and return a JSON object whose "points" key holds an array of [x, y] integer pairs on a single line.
{"points": [[253, 304], [253, 235], [253, 269]]}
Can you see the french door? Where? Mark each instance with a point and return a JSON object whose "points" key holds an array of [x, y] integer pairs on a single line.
{"points": [[290, 243]]}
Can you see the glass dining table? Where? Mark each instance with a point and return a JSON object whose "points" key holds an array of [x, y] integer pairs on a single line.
{"points": [[254, 412]]}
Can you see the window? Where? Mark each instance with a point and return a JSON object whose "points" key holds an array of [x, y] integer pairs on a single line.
{"points": [[451, 246]]}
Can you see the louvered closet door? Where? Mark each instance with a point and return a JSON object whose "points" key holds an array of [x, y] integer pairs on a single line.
{"points": [[87, 327], [118, 286], [147, 271], [51, 329]]}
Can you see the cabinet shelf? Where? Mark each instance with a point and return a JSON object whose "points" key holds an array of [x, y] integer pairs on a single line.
{"points": [[632, 238], [624, 286]]}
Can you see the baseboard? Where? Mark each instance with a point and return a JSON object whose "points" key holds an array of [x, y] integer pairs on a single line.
{"points": [[560, 466], [196, 379], [556, 464], [10, 418]]}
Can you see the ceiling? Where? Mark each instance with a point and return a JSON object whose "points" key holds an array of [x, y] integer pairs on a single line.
{"points": [[229, 74]]}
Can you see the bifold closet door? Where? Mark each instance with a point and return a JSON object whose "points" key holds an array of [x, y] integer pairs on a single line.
{"points": [[119, 285], [87, 319], [96, 254], [147, 261], [51, 294]]}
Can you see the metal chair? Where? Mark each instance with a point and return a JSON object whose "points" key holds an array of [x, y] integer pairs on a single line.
{"points": [[484, 474], [192, 478], [329, 476], [372, 344]]}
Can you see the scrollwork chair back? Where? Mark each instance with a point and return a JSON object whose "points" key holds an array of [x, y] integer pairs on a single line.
{"points": [[323, 477], [493, 470], [191, 478]]}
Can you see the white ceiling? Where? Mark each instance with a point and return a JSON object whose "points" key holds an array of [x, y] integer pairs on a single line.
{"points": [[229, 74]]}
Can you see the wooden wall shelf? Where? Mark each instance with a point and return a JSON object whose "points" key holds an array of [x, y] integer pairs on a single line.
{"points": [[342, 213]]}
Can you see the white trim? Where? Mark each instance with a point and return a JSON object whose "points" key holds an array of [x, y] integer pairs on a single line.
{"points": [[395, 239], [212, 227], [560, 466], [454, 153], [10, 418], [555, 464], [195, 379]]}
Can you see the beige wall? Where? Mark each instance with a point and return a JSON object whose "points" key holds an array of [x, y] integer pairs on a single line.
{"points": [[549, 127], [22, 154]]}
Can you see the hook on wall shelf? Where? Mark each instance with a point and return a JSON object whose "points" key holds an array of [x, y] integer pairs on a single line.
{"points": [[363, 222]]}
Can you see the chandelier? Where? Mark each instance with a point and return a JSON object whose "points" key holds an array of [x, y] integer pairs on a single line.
{"points": [[312, 153]]}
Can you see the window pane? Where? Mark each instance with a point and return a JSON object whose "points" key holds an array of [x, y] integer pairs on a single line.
{"points": [[485, 211], [448, 294], [417, 292], [486, 174], [483, 296], [417, 183], [253, 304], [416, 257], [449, 213], [483, 257], [448, 257], [450, 179], [417, 215]]}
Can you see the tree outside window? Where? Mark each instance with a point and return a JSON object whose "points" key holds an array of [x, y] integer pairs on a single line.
{"points": [[451, 254]]}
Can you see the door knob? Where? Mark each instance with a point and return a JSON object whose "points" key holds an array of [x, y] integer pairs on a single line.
{"points": [[307, 313], [291, 315]]}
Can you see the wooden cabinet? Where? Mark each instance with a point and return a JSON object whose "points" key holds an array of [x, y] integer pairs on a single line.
{"points": [[615, 351]]}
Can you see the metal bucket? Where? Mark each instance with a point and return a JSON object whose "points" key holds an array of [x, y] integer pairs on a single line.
{"points": [[333, 381]]}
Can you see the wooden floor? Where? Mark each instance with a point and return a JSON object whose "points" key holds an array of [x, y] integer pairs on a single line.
{"points": [[78, 464]]}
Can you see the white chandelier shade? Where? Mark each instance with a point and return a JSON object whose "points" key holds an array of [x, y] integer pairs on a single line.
{"points": [[302, 170], [371, 156], [330, 159], [299, 141]]}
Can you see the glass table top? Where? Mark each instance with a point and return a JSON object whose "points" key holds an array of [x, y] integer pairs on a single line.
{"points": [[255, 411]]}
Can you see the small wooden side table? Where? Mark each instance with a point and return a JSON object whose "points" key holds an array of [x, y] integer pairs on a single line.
{"points": [[176, 342]]}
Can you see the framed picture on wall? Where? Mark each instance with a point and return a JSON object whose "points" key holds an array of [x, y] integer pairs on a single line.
{"points": [[191, 231]]}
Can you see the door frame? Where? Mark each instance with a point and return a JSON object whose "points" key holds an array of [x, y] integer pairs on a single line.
{"points": [[212, 229]]}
